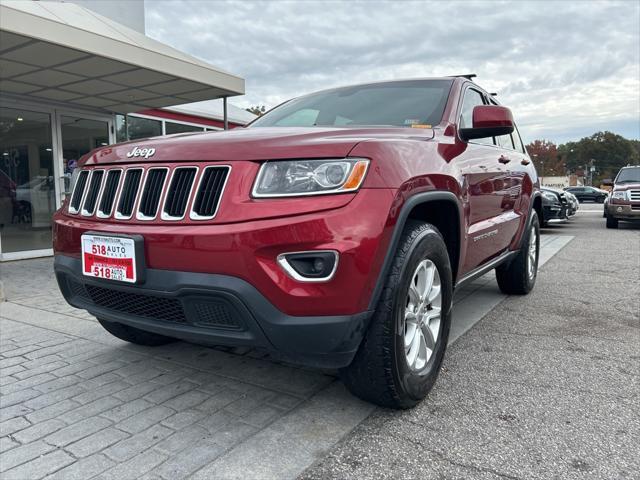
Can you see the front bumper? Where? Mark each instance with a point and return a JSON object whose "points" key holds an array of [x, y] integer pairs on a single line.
{"points": [[554, 212], [358, 231], [213, 309], [624, 211]]}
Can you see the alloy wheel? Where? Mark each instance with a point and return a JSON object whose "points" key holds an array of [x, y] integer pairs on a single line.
{"points": [[532, 254], [422, 315]]}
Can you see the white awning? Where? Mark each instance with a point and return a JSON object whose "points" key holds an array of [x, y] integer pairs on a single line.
{"points": [[213, 109], [66, 53]]}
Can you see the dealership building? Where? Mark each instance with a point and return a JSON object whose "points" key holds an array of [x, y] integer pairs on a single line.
{"points": [[79, 75]]}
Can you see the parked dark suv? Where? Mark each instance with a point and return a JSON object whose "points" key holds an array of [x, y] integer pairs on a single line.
{"points": [[591, 194], [555, 205], [624, 202], [333, 230]]}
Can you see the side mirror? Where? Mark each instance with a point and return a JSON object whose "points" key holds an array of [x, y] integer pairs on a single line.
{"points": [[489, 121]]}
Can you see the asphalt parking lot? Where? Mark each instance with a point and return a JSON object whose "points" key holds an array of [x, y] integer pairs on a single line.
{"points": [[542, 386]]}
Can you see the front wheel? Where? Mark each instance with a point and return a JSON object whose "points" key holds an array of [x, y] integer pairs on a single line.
{"points": [[519, 276], [612, 222], [400, 357]]}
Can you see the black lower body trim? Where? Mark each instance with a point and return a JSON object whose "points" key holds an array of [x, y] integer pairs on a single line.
{"points": [[213, 309]]}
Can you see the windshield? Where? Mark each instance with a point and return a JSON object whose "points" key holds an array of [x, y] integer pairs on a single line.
{"points": [[628, 175], [397, 104]]}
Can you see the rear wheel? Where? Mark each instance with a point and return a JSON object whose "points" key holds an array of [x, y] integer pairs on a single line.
{"points": [[400, 357], [135, 335], [612, 222], [519, 276]]}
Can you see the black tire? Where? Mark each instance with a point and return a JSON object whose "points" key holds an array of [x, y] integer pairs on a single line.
{"points": [[135, 335], [600, 199], [513, 277], [612, 222], [379, 372]]}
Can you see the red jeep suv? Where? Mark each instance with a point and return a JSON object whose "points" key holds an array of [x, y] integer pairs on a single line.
{"points": [[333, 230]]}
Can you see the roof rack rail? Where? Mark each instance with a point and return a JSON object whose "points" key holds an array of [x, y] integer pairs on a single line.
{"points": [[468, 76]]}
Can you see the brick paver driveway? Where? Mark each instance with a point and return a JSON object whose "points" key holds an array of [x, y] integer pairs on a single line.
{"points": [[78, 402]]}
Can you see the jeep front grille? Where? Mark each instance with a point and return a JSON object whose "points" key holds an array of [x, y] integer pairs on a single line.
{"points": [[142, 193]]}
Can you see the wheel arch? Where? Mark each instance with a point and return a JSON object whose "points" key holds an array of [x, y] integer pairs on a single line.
{"points": [[437, 208]]}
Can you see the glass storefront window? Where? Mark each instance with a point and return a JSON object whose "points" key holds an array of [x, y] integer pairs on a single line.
{"points": [[27, 187], [138, 127], [172, 127], [121, 128], [80, 136]]}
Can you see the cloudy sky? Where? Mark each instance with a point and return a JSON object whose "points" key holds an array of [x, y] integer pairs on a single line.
{"points": [[566, 68]]}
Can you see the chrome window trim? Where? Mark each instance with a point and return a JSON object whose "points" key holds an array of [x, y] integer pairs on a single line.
{"points": [[117, 215], [139, 215], [83, 211], [193, 215], [72, 210], [165, 216], [290, 271], [100, 214]]}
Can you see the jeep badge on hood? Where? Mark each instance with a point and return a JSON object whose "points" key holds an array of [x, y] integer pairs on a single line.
{"points": [[141, 152]]}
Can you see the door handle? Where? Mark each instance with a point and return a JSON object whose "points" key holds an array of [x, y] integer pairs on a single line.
{"points": [[525, 161], [504, 159]]}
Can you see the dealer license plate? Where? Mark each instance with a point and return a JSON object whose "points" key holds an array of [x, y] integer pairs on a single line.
{"points": [[111, 258]]}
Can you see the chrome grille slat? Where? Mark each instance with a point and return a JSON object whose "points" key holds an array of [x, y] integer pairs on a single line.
{"points": [[78, 192], [91, 198], [129, 193], [179, 193], [151, 193], [209, 192], [634, 195], [108, 197]]}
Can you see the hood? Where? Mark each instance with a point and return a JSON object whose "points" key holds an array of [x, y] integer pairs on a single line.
{"points": [[627, 186], [251, 144]]}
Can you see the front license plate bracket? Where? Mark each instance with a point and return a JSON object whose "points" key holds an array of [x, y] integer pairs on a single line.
{"points": [[140, 264]]}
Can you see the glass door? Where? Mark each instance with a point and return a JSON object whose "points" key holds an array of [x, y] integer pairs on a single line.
{"points": [[79, 135], [27, 186]]}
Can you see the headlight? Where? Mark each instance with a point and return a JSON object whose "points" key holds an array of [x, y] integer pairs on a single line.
{"points": [[287, 178], [620, 195], [550, 197]]}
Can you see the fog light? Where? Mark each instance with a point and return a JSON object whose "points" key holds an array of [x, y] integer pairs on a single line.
{"points": [[311, 266], [619, 209]]}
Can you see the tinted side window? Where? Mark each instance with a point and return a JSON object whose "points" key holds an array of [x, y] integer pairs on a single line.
{"points": [[505, 141], [472, 98], [517, 141]]}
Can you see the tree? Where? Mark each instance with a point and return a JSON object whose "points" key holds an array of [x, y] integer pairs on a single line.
{"points": [[258, 110], [545, 157], [607, 151]]}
